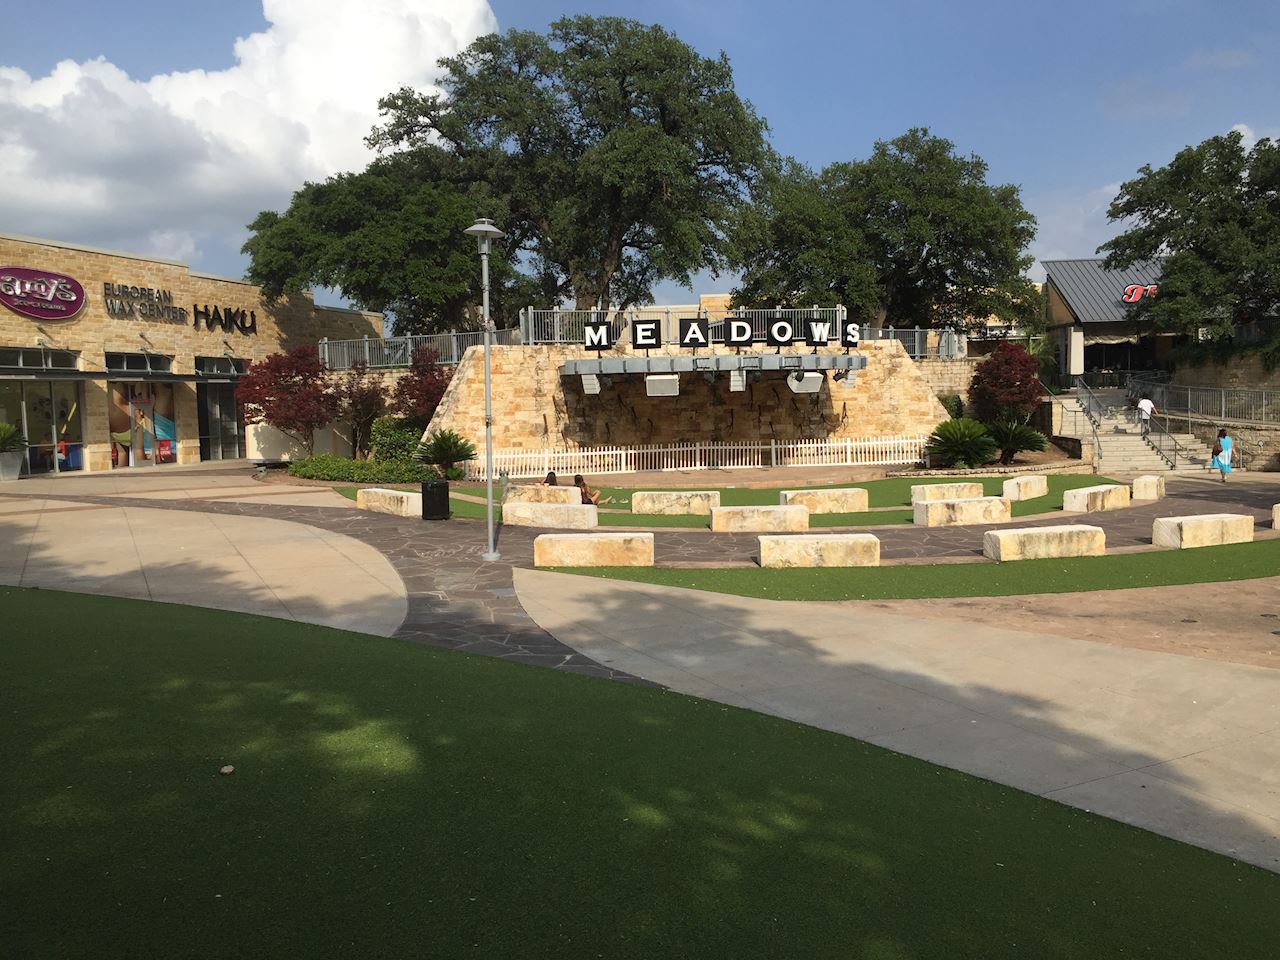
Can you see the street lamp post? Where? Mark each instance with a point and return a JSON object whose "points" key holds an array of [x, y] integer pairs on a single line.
{"points": [[485, 232]]}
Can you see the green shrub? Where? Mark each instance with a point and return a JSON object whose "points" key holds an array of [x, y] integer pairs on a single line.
{"points": [[961, 443], [11, 439], [454, 473], [954, 404], [395, 438], [1013, 438], [444, 447], [326, 466]]}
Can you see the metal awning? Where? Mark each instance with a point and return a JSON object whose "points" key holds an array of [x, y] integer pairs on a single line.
{"points": [[785, 362], [135, 376]]}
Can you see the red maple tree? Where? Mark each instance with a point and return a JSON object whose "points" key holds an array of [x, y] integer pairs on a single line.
{"points": [[419, 391], [1006, 386], [291, 392]]}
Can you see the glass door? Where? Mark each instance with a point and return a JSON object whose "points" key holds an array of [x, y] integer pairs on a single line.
{"points": [[221, 433]]}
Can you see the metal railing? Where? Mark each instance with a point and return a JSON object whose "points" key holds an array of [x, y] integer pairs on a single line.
{"points": [[726, 455], [1210, 403], [378, 353]]}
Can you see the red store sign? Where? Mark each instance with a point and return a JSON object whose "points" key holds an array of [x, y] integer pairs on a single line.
{"points": [[40, 294], [1136, 291]]}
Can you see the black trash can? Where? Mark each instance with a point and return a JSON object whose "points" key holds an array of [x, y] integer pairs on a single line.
{"points": [[435, 500]]}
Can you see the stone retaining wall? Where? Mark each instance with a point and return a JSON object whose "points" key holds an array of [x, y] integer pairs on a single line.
{"points": [[535, 408]]}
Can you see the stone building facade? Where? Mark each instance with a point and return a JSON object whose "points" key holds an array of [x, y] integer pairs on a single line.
{"points": [[535, 408], [114, 359]]}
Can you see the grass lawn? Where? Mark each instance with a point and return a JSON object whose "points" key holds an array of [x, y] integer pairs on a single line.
{"points": [[391, 800], [1242, 561]]}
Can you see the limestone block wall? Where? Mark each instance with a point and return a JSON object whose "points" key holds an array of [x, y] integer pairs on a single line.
{"points": [[535, 408], [949, 376], [1244, 372]]}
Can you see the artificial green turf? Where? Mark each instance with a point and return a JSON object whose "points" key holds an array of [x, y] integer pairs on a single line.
{"points": [[391, 800], [1242, 561]]}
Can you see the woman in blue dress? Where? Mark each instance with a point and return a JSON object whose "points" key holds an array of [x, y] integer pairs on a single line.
{"points": [[1222, 455]]}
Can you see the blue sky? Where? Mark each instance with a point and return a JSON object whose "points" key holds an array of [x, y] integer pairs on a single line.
{"points": [[1065, 100]]}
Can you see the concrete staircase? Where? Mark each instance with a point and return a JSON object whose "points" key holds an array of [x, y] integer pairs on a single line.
{"points": [[1121, 446]]}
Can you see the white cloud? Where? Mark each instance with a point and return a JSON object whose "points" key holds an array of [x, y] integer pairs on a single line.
{"points": [[1249, 135], [1071, 225], [176, 165]]}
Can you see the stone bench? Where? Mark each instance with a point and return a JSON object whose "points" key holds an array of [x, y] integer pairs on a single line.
{"points": [[1037, 543], [818, 550], [1203, 530], [1107, 496], [680, 503], [962, 512], [593, 550], [578, 516], [398, 503], [536, 493], [1148, 488], [759, 519], [1275, 517], [945, 491], [1026, 488], [840, 500]]}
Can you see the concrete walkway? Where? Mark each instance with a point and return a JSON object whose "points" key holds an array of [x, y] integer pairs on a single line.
{"points": [[1185, 747], [254, 565]]}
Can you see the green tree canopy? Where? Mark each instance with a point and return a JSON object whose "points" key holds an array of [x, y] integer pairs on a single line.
{"points": [[391, 238], [621, 154], [1213, 214], [912, 235]]}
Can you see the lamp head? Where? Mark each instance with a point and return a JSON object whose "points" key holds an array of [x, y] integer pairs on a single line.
{"points": [[484, 230]]}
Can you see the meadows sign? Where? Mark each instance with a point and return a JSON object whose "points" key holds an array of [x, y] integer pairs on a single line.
{"points": [[40, 294], [696, 332]]}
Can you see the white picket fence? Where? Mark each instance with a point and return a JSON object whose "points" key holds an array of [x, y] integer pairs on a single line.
{"points": [[588, 461]]}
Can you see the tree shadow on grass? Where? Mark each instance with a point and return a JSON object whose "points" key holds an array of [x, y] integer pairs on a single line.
{"points": [[395, 801]]}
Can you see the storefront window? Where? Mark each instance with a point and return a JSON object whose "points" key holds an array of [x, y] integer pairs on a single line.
{"points": [[48, 414], [38, 359], [141, 420], [140, 362]]}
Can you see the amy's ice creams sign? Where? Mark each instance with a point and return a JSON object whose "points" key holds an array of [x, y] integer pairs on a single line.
{"points": [[40, 294]]}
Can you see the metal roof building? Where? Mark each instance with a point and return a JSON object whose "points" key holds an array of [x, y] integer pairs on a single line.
{"points": [[1094, 294]]}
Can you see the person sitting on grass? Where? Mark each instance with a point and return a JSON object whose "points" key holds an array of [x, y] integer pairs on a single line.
{"points": [[589, 495]]}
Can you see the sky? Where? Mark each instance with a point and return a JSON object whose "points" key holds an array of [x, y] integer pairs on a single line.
{"points": [[164, 127]]}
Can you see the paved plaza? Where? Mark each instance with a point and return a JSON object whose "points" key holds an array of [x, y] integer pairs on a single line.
{"points": [[1087, 699]]}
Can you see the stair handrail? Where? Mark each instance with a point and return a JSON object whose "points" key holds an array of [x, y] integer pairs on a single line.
{"points": [[1097, 445], [1092, 406]]}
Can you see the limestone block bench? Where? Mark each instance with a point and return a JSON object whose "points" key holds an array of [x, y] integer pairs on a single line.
{"points": [[1026, 488], [593, 550], [1037, 543], [945, 491], [681, 503], [1275, 517], [962, 512], [578, 516], [1148, 488], [535, 493], [1203, 530], [818, 550], [759, 519], [398, 503], [1107, 496], [843, 500]]}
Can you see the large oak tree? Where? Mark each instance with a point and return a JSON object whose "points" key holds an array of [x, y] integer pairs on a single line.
{"points": [[612, 153], [913, 235], [1213, 214]]}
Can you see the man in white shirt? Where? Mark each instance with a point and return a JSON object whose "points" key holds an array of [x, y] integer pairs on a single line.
{"points": [[1145, 411]]}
